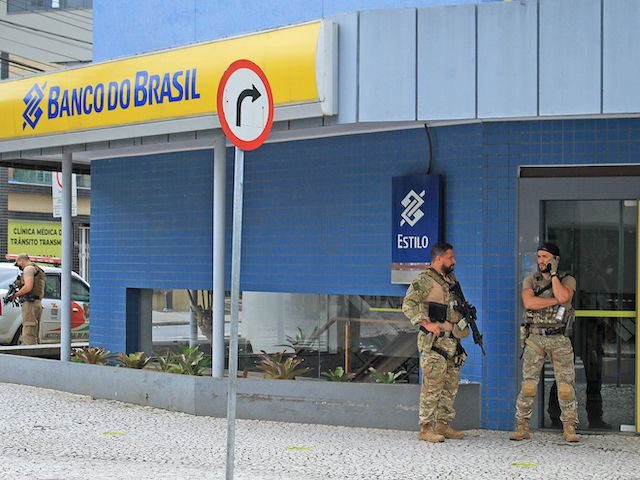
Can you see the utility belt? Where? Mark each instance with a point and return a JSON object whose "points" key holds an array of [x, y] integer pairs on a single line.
{"points": [[442, 334], [29, 298], [548, 330], [459, 356]]}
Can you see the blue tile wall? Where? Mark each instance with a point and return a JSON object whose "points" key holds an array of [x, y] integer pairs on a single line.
{"points": [[505, 147], [150, 228], [317, 219], [317, 213]]}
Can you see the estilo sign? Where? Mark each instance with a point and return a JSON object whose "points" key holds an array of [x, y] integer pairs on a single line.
{"points": [[416, 224]]}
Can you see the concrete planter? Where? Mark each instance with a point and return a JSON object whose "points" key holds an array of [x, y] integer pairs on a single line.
{"points": [[329, 403]]}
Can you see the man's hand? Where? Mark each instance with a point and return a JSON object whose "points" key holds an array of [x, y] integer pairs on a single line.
{"points": [[432, 327], [552, 266]]}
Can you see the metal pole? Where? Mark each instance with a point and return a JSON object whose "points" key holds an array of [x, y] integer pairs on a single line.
{"points": [[4, 65], [67, 258], [619, 302], [238, 184], [218, 349], [193, 324]]}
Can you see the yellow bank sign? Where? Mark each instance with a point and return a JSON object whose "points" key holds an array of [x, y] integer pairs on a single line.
{"points": [[171, 84], [43, 239]]}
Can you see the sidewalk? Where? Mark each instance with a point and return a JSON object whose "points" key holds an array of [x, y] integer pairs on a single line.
{"points": [[51, 435]]}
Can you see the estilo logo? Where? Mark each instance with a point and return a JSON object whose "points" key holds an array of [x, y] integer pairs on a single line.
{"points": [[32, 111], [412, 212]]}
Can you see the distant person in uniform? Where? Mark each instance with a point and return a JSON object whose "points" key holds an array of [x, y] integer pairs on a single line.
{"points": [[30, 296], [547, 296], [430, 304]]}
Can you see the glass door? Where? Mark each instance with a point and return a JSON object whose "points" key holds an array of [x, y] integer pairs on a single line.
{"points": [[598, 241]]}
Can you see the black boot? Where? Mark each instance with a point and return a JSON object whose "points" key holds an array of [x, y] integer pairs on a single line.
{"points": [[599, 424]]}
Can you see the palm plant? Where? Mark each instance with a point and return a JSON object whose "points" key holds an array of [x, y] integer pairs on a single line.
{"points": [[136, 360], [337, 375], [164, 363], [277, 366], [191, 361], [91, 355], [385, 377]]}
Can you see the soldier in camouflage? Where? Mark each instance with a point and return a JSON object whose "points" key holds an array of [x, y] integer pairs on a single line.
{"points": [[546, 296], [430, 305], [29, 294]]}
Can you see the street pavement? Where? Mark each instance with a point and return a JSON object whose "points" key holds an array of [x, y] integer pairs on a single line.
{"points": [[51, 435]]}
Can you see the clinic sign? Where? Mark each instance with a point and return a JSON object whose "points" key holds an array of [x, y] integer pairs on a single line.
{"points": [[42, 239], [416, 224], [163, 86]]}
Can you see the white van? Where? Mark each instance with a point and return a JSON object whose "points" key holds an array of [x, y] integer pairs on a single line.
{"points": [[11, 316]]}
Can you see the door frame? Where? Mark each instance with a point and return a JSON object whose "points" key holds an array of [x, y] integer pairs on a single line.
{"points": [[538, 184]]}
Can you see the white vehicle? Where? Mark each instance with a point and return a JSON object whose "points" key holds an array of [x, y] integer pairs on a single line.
{"points": [[11, 316]]}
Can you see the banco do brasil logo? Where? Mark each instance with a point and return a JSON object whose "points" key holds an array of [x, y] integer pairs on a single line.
{"points": [[32, 111], [412, 212]]}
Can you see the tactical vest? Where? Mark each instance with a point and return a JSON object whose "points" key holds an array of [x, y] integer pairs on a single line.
{"points": [[550, 315], [39, 278], [453, 315]]}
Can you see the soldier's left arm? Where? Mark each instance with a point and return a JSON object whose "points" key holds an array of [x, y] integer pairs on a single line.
{"points": [[564, 289], [413, 305], [27, 278]]}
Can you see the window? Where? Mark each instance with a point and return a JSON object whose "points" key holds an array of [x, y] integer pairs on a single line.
{"points": [[52, 286], [79, 291], [38, 177], [21, 6], [352, 332]]}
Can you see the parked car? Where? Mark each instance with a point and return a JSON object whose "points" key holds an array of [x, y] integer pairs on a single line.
{"points": [[11, 316]]}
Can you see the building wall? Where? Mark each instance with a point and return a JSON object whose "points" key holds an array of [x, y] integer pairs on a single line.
{"points": [[317, 220], [34, 41], [496, 60], [25, 38], [190, 21]]}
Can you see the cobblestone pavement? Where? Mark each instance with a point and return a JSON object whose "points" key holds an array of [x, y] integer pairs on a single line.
{"points": [[51, 435]]}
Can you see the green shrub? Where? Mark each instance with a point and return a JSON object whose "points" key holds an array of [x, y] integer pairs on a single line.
{"points": [[277, 366], [337, 375], [91, 355], [134, 360], [385, 377]]}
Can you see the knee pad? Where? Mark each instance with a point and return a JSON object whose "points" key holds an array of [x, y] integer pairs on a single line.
{"points": [[565, 391], [529, 388]]}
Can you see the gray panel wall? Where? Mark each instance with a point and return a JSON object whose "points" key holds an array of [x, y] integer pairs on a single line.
{"points": [[447, 62], [507, 60], [348, 68], [387, 70], [621, 44], [516, 59], [569, 57]]}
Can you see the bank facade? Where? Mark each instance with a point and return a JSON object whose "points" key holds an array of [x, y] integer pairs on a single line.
{"points": [[531, 127]]}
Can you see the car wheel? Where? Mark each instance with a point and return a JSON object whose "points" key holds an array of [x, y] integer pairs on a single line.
{"points": [[16, 338]]}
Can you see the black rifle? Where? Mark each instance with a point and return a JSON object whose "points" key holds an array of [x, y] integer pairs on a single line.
{"points": [[468, 311], [10, 296]]}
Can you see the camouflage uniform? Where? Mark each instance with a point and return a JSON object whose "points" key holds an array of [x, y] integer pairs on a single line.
{"points": [[556, 345], [440, 375], [32, 308]]}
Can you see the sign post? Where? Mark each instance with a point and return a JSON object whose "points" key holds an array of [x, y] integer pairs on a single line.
{"points": [[56, 194], [245, 110]]}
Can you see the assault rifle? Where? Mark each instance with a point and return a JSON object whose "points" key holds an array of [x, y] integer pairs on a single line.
{"points": [[468, 311], [10, 296]]}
